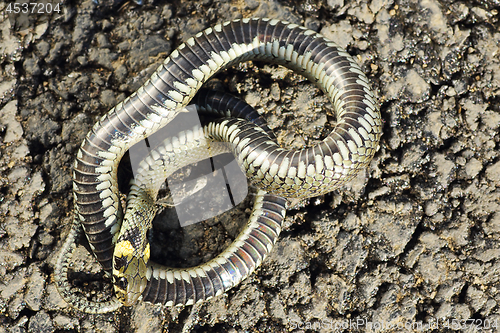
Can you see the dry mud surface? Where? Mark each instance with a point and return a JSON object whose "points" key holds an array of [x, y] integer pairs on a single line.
{"points": [[414, 239]]}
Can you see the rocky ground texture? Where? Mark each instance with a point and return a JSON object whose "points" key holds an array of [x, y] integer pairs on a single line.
{"points": [[414, 239]]}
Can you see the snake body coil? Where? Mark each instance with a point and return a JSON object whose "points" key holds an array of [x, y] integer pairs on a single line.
{"points": [[294, 174], [155, 283]]}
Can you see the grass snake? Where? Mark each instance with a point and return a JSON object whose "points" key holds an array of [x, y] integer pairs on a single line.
{"points": [[292, 174]]}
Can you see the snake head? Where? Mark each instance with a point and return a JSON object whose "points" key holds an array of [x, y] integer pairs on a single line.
{"points": [[129, 271]]}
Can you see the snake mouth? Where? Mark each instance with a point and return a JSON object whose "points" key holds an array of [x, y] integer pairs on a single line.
{"points": [[128, 290], [126, 297]]}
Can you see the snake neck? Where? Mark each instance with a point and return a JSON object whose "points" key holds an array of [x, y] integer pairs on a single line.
{"points": [[132, 250]]}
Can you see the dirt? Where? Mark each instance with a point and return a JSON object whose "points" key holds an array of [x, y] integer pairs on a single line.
{"points": [[412, 244]]}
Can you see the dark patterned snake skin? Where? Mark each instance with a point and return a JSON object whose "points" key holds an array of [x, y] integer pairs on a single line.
{"points": [[288, 173]]}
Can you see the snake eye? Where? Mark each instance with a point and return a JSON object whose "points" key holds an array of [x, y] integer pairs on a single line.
{"points": [[122, 283]]}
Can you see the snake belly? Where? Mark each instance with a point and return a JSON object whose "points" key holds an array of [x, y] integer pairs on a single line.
{"points": [[295, 174], [181, 286], [135, 278]]}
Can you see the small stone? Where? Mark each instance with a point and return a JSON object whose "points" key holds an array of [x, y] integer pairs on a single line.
{"points": [[46, 210], [146, 318], [65, 323], [290, 256], [31, 67], [473, 167], [253, 98], [43, 48], [153, 22], [445, 170], [16, 305], [102, 57], [481, 13], [362, 12], [106, 25], [167, 12], [434, 124], [252, 4], [9, 260], [40, 323], [52, 300], [45, 238], [381, 191], [275, 91], [460, 160], [453, 311], [476, 297], [340, 33], [431, 208], [493, 173], [8, 118], [108, 98], [13, 286], [20, 233], [103, 41], [472, 113], [121, 72], [45, 129], [394, 224], [493, 224], [451, 92], [312, 24], [36, 286], [417, 89], [334, 4], [491, 119], [487, 255]]}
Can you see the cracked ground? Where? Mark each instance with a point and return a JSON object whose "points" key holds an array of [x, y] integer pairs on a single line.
{"points": [[413, 239]]}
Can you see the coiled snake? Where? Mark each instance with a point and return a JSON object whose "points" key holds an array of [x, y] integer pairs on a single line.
{"points": [[292, 174]]}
